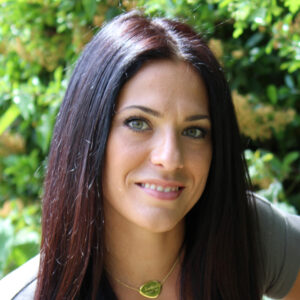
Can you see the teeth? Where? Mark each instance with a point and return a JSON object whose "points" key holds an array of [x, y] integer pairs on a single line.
{"points": [[160, 188]]}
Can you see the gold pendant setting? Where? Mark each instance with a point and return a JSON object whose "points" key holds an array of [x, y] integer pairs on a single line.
{"points": [[150, 289]]}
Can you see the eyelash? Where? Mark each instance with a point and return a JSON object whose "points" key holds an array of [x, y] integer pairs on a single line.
{"points": [[203, 132], [127, 122], [138, 119]]}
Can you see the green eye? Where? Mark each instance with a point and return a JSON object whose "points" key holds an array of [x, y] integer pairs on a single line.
{"points": [[137, 124], [194, 132]]}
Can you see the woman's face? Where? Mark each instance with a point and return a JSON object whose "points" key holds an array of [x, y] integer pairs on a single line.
{"points": [[159, 148]]}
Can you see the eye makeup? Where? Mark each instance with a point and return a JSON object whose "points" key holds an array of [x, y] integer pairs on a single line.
{"points": [[137, 123]]}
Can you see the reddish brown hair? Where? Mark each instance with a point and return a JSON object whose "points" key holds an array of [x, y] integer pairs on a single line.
{"points": [[221, 253]]}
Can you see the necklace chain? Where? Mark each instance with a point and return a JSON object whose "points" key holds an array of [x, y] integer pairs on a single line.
{"points": [[158, 282]]}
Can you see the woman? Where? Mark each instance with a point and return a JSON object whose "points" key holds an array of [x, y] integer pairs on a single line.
{"points": [[146, 190]]}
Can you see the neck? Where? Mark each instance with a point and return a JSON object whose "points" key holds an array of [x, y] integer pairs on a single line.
{"points": [[135, 255]]}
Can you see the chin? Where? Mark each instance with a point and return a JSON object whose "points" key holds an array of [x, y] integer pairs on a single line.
{"points": [[160, 224]]}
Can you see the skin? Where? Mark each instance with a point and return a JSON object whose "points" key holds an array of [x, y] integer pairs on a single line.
{"points": [[160, 135]]}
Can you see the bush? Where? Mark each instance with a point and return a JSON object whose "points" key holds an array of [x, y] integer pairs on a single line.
{"points": [[256, 42]]}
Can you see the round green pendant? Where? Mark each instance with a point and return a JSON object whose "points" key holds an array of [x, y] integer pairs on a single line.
{"points": [[151, 289]]}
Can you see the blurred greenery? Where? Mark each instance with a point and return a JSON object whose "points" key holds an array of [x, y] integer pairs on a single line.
{"points": [[256, 41]]}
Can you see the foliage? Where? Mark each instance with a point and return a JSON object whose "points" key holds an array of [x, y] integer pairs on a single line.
{"points": [[19, 234], [268, 172], [261, 121], [256, 41]]}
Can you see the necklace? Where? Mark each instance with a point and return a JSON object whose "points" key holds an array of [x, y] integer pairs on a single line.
{"points": [[152, 288]]}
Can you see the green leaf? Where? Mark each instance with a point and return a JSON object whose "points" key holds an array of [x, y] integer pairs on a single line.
{"points": [[6, 242], [8, 117], [25, 102], [290, 158], [44, 131], [293, 5], [237, 32], [288, 79], [224, 3], [254, 40], [22, 253], [112, 12], [272, 93], [89, 8], [273, 191], [259, 16], [267, 157]]}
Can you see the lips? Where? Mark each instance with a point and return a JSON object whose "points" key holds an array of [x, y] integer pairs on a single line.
{"points": [[161, 189]]}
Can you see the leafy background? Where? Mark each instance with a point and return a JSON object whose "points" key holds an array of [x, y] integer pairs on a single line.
{"points": [[256, 41]]}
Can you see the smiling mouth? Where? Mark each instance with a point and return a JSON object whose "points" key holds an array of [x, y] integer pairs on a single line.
{"points": [[160, 188]]}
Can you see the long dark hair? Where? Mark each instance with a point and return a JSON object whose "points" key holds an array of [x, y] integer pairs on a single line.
{"points": [[221, 250]]}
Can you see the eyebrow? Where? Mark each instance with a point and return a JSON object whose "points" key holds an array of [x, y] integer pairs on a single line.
{"points": [[159, 115]]}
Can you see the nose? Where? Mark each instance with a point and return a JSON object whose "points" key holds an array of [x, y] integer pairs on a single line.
{"points": [[167, 152]]}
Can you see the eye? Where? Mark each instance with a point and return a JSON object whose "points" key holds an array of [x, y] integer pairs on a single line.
{"points": [[195, 132], [137, 124]]}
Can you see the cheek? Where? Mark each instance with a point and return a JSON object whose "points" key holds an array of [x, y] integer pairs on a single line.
{"points": [[122, 156], [199, 159]]}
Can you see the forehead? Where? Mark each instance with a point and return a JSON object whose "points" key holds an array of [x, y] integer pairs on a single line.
{"points": [[164, 84]]}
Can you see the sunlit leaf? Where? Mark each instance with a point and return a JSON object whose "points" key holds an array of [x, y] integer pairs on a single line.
{"points": [[9, 117]]}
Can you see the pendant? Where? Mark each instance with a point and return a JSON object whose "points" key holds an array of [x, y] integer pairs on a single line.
{"points": [[150, 289]]}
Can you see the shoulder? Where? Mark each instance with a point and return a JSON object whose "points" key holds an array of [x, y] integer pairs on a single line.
{"points": [[21, 283], [280, 239]]}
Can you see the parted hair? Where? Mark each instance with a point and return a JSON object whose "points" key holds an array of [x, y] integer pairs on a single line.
{"points": [[221, 244]]}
